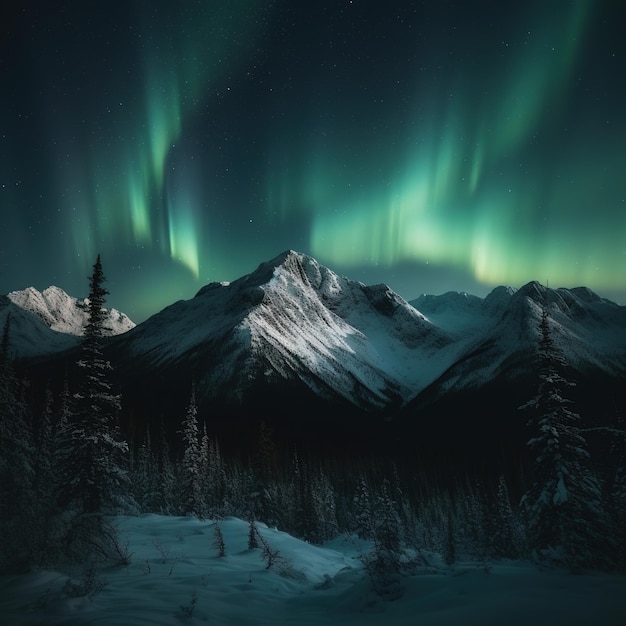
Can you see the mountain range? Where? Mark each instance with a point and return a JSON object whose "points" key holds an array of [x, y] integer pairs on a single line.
{"points": [[306, 349]]}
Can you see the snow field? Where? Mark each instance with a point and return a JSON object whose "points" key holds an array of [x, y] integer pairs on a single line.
{"points": [[175, 577]]}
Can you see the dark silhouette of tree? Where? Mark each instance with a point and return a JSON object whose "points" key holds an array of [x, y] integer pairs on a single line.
{"points": [[562, 507], [17, 501], [94, 469], [190, 484]]}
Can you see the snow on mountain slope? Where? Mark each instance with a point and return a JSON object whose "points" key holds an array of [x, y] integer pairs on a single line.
{"points": [[28, 334], [65, 314], [589, 331], [294, 319], [50, 321]]}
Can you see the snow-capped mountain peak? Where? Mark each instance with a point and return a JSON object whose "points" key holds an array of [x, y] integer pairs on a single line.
{"points": [[65, 314], [50, 321], [294, 328], [292, 319]]}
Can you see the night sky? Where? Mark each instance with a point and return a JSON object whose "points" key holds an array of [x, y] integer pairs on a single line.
{"points": [[430, 145]]}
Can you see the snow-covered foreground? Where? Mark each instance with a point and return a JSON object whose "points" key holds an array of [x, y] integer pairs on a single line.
{"points": [[176, 577]]}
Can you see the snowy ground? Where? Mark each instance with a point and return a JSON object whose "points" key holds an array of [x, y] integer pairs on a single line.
{"points": [[174, 561]]}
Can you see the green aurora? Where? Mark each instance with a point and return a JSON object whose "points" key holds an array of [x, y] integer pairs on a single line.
{"points": [[432, 147]]}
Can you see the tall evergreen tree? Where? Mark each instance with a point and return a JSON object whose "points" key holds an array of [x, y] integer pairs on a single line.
{"points": [[305, 521], [146, 483], [562, 507], [16, 466], [95, 464], [45, 450], [505, 532], [16, 441], [191, 481], [167, 476], [363, 508]]}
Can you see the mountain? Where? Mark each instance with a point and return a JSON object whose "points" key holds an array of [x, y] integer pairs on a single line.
{"points": [[291, 339], [475, 401], [315, 353], [588, 330], [50, 321]]}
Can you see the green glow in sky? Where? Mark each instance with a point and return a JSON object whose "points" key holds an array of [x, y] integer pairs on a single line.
{"points": [[468, 191], [130, 167], [432, 146]]}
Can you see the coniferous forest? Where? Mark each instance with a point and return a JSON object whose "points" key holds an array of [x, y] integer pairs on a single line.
{"points": [[66, 467]]}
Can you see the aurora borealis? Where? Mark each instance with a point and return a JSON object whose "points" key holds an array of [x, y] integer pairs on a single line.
{"points": [[428, 145]]}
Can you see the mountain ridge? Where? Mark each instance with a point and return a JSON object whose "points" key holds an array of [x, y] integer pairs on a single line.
{"points": [[51, 320], [293, 338]]}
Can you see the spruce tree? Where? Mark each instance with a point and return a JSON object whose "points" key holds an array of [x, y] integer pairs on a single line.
{"points": [[146, 483], [304, 520], [218, 540], [168, 483], [17, 500], [562, 507], [190, 484], [363, 510], [505, 532], [94, 468], [252, 535]]}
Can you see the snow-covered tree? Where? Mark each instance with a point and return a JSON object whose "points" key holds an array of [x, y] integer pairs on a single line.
{"points": [[252, 535], [264, 468], [325, 507], [146, 482], [16, 466], [563, 506], [303, 517], [190, 479], [94, 468], [506, 535], [218, 540], [16, 454], [168, 481], [387, 528], [363, 507]]}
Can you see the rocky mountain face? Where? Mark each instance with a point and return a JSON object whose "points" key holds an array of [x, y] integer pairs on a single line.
{"points": [[50, 321], [293, 320]]}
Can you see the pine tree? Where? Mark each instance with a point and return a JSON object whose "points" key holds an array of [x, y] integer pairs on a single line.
{"points": [[325, 507], [190, 484], [17, 499], [218, 540], [385, 562], [168, 482], [617, 495], [387, 531], [45, 448], [304, 520], [217, 478], [16, 440], [506, 534], [562, 507], [450, 537], [264, 471], [472, 521], [146, 481], [252, 535], [363, 506], [95, 466]]}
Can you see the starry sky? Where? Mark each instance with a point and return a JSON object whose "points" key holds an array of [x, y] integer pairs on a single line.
{"points": [[433, 146]]}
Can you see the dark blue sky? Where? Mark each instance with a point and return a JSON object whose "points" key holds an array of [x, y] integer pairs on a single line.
{"points": [[428, 145]]}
